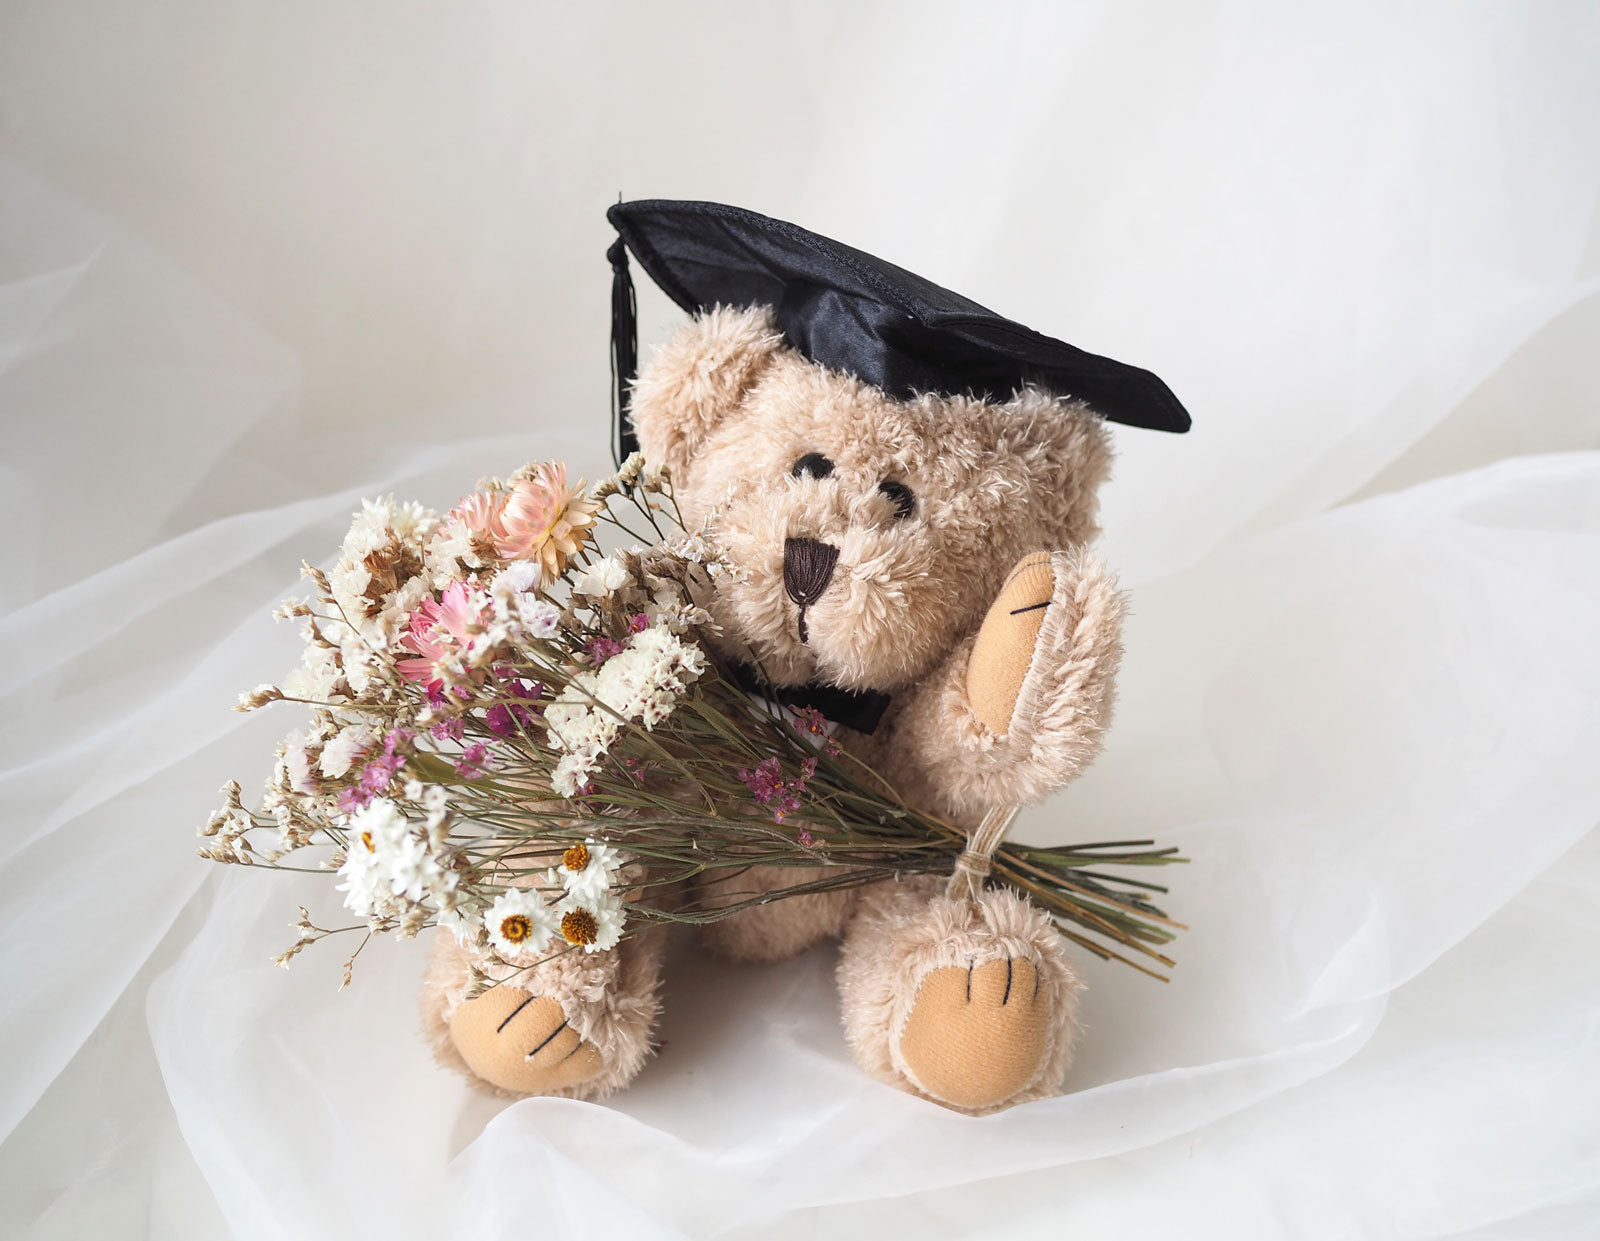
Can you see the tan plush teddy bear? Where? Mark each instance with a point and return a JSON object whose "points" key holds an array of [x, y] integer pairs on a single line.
{"points": [[918, 553]]}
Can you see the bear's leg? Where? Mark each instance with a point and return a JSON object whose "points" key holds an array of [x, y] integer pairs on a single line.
{"points": [[777, 931], [969, 1003], [578, 1026]]}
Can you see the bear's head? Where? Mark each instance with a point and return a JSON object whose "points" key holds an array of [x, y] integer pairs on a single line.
{"points": [[872, 533]]}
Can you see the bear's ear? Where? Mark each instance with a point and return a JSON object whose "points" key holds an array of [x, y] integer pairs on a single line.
{"points": [[1070, 459], [697, 379]]}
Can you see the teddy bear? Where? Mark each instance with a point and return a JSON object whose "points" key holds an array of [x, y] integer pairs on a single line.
{"points": [[928, 550]]}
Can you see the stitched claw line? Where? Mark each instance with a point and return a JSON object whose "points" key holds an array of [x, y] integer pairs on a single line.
{"points": [[514, 1012], [546, 1042]]}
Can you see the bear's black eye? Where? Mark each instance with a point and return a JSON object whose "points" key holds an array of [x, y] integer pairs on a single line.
{"points": [[900, 495], [812, 465]]}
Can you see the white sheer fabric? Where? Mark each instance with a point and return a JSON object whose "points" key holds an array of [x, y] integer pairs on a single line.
{"points": [[255, 264]]}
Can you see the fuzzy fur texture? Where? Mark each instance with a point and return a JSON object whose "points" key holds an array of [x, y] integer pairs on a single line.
{"points": [[731, 410], [775, 932]]}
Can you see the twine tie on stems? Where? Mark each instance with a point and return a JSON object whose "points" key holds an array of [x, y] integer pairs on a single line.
{"points": [[976, 860]]}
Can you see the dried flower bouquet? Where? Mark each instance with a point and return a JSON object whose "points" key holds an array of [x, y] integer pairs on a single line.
{"points": [[539, 747]]}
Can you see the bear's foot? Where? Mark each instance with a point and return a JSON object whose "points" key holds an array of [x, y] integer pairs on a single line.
{"points": [[976, 1036], [968, 1003], [522, 1043], [578, 1026]]}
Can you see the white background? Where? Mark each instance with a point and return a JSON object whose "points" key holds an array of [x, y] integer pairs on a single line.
{"points": [[259, 260]]}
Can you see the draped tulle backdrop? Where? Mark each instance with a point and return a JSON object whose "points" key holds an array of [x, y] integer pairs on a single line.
{"points": [[259, 260]]}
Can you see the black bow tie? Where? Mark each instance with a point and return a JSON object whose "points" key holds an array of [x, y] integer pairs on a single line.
{"points": [[858, 709]]}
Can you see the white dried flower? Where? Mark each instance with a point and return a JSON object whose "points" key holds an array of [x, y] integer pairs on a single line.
{"points": [[520, 923], [593, 925], [412, 522], [629, 472], [588, 870], [317, 677], [260, 696], [601, 579], [646, 680], [461, 920], [538, 617], [352, 743], [573, 770], [517, 577], [295, 763]]}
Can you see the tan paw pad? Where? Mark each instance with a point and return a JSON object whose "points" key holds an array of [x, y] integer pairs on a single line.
{"points": [[976, 1036], [1003, 651], [522, 1043]]}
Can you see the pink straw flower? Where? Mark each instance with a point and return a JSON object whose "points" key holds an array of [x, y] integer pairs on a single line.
{"points": [[543, 519], [441, 630], [479, 512]]}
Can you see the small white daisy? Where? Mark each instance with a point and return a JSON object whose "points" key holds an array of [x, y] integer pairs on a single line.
{"points": [[593, 926], [587, 870], [520, 922]]}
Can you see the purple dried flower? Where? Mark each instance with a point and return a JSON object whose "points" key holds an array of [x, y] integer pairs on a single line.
{"points": [[764, 779], [474, 759], [379, 773], [602, 649], [809, 720], [766, 782]]}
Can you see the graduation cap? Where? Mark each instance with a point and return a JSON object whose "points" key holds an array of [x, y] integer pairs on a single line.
{"points": [[851, 312]]}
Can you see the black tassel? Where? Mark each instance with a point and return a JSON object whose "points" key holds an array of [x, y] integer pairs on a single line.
{"points": [[624, 353]]}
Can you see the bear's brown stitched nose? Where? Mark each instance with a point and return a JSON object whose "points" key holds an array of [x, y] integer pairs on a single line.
{"points": [[807, 570]]}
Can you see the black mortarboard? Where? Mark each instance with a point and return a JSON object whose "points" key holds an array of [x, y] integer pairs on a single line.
{"points": [[852, 312]]}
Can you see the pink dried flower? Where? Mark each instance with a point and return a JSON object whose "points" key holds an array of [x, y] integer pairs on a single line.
{"points": [[449, 729], [503, 719], [474, 759], [543, 519], [805, 839], [809, 720], [602, 649], [764, 779], [638, 623], [440, 630], [766, 782], [379, 773], [479, 512]]}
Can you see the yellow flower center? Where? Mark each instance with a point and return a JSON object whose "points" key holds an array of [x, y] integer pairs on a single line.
{"points": [[516, 928], [575, 858], [580, 927], [366, 839]]}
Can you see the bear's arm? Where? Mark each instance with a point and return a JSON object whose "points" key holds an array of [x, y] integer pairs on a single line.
{"points": [[1018, 709]]}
